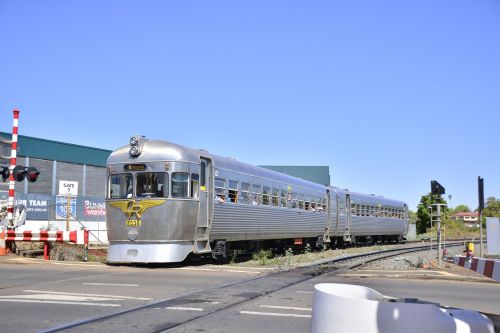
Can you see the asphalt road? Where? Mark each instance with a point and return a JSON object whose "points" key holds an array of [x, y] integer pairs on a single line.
{"points": [[35, 297], [289, 310]]}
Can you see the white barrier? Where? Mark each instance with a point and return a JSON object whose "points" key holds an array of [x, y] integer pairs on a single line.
{"points": [[344, 308], [487, 267]]}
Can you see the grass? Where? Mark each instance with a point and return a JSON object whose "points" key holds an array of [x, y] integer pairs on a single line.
{"points": [[452, 230], [288, 258]]}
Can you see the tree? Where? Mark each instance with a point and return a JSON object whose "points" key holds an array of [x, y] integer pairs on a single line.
{"points": [[460, 208], [424, 215], [412, 216], [492, 208]]}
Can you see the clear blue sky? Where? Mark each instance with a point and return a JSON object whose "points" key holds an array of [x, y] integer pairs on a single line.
{"points": [[390, 94]]}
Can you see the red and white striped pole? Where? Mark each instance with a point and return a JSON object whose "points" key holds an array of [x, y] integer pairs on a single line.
{"points": [[13, 157]]}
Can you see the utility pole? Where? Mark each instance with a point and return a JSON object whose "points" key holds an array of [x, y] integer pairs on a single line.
{"points": [[480, 191]]}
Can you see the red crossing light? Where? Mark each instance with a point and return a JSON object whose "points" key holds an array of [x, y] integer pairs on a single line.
{"points": [[5, 173], [19, 173], [32, 174]]}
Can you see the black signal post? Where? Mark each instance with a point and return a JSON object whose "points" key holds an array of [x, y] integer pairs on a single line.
{"points": [[437, 190], [480, 194]]}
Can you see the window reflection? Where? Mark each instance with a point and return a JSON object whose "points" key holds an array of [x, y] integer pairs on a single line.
{"points": [[180, 182], [120, 186], [152, 184]]}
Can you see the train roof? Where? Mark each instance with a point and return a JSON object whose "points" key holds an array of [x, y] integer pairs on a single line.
{"points": [[159, 150], [370, 199]]}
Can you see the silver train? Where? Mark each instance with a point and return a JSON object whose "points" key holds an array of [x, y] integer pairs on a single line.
{"points": [[165, 201]]}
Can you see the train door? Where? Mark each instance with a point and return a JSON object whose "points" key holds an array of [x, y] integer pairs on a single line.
{"points": [[348, 218], [326, 235], [337, 214], [205, 214], [407, 221]]}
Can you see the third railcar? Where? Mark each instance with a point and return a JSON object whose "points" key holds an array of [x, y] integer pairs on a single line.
{"points": [[165, 201]]}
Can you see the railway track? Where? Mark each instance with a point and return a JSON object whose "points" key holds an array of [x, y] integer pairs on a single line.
{"points": [[159, 317]]}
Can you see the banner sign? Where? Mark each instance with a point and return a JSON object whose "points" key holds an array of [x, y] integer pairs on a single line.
{"points": [[94, 208], [62, 206], [44, 207], [36, 205], [68, 187]]}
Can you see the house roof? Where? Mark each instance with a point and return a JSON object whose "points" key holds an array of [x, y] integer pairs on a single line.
{"points": [[463, 214]]}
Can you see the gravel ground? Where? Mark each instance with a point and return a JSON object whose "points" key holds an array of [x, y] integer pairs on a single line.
{"points": [[410, 261]]}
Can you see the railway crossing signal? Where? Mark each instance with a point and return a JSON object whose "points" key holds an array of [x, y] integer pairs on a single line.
{"points": [[20, 173], [32, 174], [5, 173]]}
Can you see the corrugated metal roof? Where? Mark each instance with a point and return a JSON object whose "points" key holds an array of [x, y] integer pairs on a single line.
{"points": [[315, 174], [59, 151]]}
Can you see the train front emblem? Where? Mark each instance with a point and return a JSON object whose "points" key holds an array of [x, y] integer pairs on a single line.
{"points": [[134, 209]]}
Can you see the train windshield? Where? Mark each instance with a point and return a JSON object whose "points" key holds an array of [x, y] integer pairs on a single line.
{"points": [[120, 186], [152, 185]]}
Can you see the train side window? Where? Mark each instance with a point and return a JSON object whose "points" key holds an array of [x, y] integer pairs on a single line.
{"points": [[245, 193], [195, 188], [275, 197], [202, 175], [266, 196], [283, 198], [233, 191], [180, 185], [294, 200], [220, 189], [120, 186], [256, 194]]}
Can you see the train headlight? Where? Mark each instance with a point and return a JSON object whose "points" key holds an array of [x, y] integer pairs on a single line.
{"points": [[134, 141], [134, 151]]}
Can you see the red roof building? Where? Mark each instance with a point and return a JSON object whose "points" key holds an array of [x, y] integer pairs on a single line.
{"points": [[470, 219]]}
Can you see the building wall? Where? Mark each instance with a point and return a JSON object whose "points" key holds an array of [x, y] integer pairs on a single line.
{"points": [[44, 182], [316, 174], [95, 181]]}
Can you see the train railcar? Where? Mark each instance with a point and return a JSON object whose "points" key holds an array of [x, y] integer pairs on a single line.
{"points": [[165, 201]]}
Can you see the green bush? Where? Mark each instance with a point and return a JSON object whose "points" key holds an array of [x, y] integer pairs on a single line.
{"points": [[263, 256]]}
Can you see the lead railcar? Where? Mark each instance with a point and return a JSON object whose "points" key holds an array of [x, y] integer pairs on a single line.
{"points": [[165, 201]]}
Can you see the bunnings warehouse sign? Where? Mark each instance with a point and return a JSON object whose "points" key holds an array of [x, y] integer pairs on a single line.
{"points": [[49, 207]]}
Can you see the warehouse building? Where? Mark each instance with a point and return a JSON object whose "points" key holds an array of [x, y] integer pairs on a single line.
{"points": [[62, 165]]}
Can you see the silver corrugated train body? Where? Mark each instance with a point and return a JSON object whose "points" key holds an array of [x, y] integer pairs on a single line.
{"points": [[165, 201]]}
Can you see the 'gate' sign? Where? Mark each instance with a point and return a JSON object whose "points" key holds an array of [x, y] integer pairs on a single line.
{"points": [[68, 187]]}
